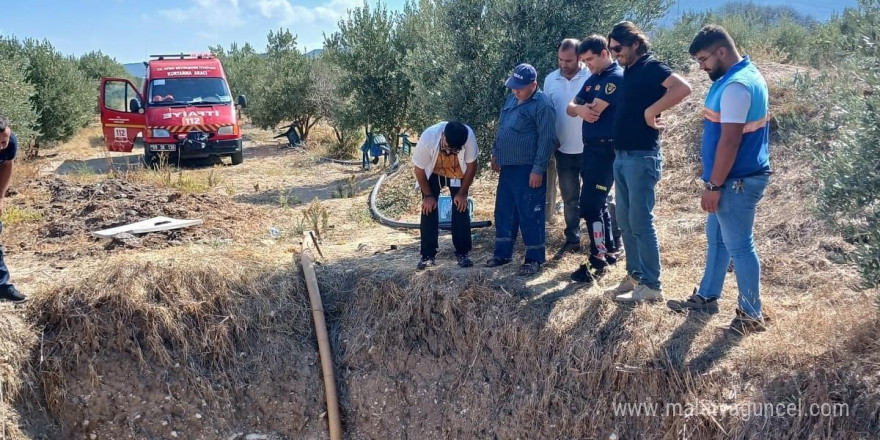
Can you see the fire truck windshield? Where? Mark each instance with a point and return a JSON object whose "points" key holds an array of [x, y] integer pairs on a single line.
{"points": [[188, 91]]}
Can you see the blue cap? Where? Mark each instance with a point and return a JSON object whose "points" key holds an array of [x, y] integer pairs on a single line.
{"points": [[522, 76]]}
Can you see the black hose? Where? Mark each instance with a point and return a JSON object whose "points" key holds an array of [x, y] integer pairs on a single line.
{"points": [[381, 218]]}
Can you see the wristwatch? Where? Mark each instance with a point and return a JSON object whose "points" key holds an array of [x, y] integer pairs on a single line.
{"points": [[712, 187]]}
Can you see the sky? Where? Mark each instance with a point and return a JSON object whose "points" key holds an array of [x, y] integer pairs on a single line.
{"points": [[131, 30]]}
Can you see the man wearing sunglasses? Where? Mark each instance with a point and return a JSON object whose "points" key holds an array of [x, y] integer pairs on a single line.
{"points": [[736, 170], [649, 88], [445, 156]]}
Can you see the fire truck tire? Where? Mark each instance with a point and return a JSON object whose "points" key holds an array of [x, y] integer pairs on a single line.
{"points": [[237, 157]]}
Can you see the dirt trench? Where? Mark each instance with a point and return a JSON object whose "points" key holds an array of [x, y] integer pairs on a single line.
{"points": [[232, 355]]}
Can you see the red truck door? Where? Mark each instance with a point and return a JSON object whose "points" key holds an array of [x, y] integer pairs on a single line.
{"points": [[122, 116]]}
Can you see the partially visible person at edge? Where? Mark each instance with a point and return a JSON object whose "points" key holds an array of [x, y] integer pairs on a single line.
{"points": [[8, 151], [561, 86], [445, 156], [594, 107], [525, 140], [649, 88], [736, 170]]}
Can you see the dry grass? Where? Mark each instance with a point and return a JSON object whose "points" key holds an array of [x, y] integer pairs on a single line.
{"points": [[16, 344], [450, 353], [211, 322]]}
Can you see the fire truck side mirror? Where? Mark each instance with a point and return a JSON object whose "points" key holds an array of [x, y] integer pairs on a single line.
{"points": [[134, 106], [242, 101]]}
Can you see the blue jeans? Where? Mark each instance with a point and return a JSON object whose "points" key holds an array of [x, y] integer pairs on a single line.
{"points": [[568, 168], [4, 271], [520, 208], [636, 173], [729, 235]]}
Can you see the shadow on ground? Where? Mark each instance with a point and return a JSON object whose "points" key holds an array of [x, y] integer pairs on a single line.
{"points": [[304, 194], [131, 162]]}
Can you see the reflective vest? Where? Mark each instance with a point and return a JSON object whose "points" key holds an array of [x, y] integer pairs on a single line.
{"points": [[753, 156]]}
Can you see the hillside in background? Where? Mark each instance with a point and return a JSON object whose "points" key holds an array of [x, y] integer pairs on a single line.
{"points": [[818, 9]]}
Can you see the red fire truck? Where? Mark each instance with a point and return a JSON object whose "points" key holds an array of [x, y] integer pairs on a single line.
{"points": [[184, 109]]}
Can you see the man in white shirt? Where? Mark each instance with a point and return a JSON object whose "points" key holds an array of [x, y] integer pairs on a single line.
{"points": [[446, 155], [562, 85]]}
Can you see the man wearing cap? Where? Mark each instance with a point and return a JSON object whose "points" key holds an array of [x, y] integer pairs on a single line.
{"points": [[525, 140], [445, 156]]}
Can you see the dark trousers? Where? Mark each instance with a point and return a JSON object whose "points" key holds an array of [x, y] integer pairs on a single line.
{"points": [[519, 207], [568, 168], [4, 271], [598, 176], [430, 224]]}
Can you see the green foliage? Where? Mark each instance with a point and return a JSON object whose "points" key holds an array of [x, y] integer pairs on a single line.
{"points": [[64, 98], [282, 85], [448, 59], [16, 104], [95, 65], [369, 48], [850, 196], [778, 31]]}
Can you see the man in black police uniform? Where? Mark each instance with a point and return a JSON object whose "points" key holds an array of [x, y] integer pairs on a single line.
{"points": [[8, 150], [596, 105]]}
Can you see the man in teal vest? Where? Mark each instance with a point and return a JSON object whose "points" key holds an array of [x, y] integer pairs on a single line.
{"points": [[736, 170]]}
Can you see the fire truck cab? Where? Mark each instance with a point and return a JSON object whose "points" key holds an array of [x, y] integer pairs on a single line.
{"points": [[184, 109]]}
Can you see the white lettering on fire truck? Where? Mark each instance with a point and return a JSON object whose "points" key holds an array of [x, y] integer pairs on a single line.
{"points": [[190, 114]]}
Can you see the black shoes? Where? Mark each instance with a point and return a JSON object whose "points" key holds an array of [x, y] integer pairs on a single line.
{"points": [[696, 303], [463, 261], [10, 293], [425, 262], [744, 324]]}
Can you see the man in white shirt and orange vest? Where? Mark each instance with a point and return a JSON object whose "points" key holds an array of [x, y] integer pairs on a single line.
{"points": [[445, 156]]}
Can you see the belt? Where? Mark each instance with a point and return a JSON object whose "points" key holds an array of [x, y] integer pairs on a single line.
{"points": [[607, 140], [761, 172]]}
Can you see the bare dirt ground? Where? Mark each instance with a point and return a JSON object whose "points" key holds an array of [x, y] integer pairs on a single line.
{"points": [[206, 332]]}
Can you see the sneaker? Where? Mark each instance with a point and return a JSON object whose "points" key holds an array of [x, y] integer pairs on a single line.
{"points": [[582, 275], [528, 269], [10, 293], [696, 303], [495, 262], [744, 324], [639, 294], [628, 284], [425, 262], [464, 260]]}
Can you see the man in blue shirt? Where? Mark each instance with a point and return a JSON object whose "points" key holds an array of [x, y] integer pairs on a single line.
{"points": [[8, 151], [525, 140], [596, 103], [736, 170]]}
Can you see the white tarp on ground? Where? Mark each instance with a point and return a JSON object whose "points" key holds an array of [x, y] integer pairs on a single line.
{"points": [[154, 224]]}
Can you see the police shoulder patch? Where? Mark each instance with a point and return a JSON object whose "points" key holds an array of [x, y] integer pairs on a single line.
{"points": [[610, 88]]}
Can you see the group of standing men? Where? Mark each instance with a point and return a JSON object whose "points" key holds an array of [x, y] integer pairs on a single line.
{"points": [[599, 117]]}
